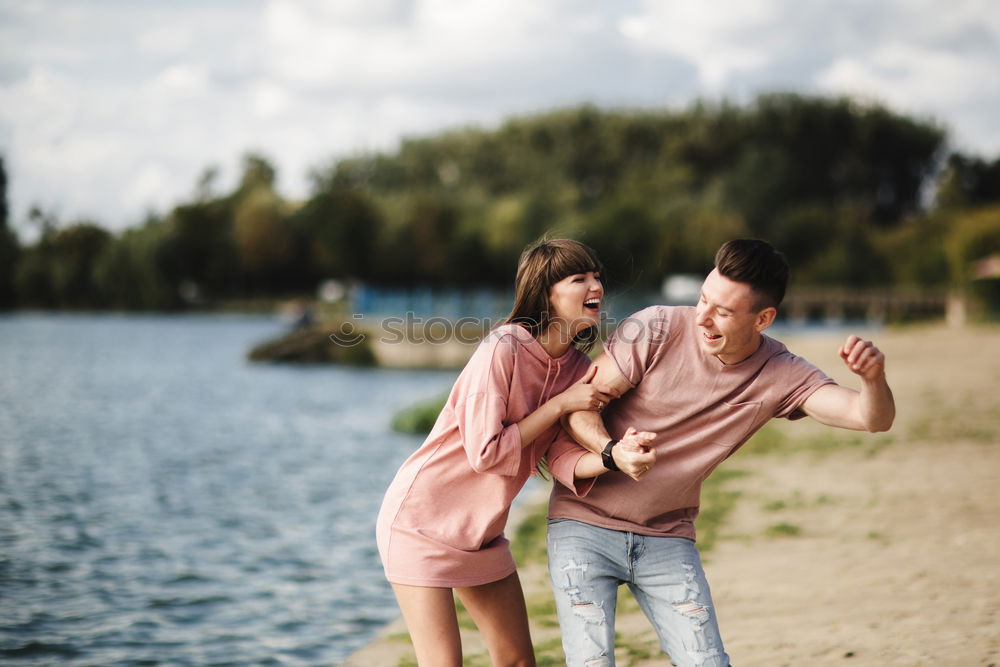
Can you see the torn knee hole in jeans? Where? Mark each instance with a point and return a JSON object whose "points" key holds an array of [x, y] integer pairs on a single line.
{"points": [[698, 613], [591, 612]]}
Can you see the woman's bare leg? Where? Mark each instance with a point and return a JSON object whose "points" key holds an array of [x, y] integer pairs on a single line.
{"points": [[433, 625], [499, 612]]}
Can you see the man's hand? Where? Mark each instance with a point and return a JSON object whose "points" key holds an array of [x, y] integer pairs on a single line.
{"points": [[872, 409], [863, 358], [633, 454]]}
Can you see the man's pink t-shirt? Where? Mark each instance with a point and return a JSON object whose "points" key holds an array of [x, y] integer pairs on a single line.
{"points": [[701, 409]]}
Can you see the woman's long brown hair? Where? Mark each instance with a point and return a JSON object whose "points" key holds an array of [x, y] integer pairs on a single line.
{"points": [[542, 265]]}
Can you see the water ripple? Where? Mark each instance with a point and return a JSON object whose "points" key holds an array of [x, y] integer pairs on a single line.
{"points": [[162, 502]]}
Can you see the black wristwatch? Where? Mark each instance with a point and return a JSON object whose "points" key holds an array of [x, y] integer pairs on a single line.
{"points": [[609, 461]]}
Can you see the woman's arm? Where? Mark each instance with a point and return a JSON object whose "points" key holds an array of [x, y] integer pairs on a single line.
{"points": [[589, 465], [582, 395]]}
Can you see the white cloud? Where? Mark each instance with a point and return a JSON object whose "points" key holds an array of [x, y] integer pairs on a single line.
{"points": [[108, 107], [927, 82], [716, 37], [902, 72]]}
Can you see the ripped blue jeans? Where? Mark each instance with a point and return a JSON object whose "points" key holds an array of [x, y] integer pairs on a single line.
{"points": [[587, 564]]}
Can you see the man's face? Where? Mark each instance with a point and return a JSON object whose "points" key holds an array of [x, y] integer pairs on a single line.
{"points": [[728, 326]]}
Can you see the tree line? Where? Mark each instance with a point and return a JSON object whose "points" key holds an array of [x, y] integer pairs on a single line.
{"points": [[853, 193]]}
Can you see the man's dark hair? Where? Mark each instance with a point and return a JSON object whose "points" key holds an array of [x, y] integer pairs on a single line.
{"points": [[757, 264]]}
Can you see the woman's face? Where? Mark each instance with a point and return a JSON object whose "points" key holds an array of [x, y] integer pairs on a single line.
{"points": [[575, 302]]}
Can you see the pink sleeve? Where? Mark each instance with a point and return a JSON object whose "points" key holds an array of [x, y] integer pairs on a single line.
{"points": [[802, 379], [491, 444], [636, 340], [563, 455]]}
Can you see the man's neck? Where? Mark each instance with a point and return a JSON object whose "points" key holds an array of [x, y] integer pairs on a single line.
{"points": [[743, 356]]}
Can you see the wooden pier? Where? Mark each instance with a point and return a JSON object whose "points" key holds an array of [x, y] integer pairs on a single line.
{"points": [[877, 305]]}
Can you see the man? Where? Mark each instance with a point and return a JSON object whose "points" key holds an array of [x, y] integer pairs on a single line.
{"points": [[703, 379]]}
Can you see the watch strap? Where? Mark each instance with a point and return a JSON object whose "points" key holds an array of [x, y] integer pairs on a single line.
{"points": [[607, 458]]}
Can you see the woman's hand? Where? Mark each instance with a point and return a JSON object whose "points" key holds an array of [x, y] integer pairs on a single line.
{"points": [[583, 395]]}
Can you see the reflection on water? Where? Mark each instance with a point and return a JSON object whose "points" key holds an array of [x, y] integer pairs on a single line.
{"points": [[163, 502]]}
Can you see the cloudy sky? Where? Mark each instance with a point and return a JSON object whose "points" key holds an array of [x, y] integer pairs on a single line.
{"points": [[111, 108]]}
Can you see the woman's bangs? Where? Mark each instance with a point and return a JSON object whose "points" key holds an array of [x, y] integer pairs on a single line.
{"points": [[571, 260]]}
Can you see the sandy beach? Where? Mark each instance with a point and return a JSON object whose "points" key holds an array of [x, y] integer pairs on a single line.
{"points": [[843, 548]]}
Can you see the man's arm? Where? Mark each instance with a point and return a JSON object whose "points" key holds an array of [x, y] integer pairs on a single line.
{"points": [[872, 409], [587, 427]]}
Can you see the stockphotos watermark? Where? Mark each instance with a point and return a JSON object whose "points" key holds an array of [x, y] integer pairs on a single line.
{"points": [[411, 328]]}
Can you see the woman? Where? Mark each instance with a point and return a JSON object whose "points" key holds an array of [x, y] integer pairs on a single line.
{"points": [[441, 524]]}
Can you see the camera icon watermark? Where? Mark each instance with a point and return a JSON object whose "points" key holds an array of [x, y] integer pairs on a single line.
{"points": [[348, 333]]}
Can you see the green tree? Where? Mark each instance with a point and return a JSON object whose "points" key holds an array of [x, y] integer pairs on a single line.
{"points": [[969, 181], [340, 227], [914, 251], [10, 248], [59, 270], [624, 233], [973, 251], [197, 248], [265, 239], [134, 270], [75, 253]]}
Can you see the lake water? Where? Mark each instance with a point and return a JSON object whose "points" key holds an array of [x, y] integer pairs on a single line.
{"points": [[164, 502]]}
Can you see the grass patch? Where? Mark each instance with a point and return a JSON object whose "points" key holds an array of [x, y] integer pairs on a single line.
{"points": [[549, 653], [773, 438], [948, 425], [945, 416], [477, 660], [716, 503], [636, 650], [419, 419], [796, 502], [528, 544], [767, 440], [876, 536], [775, 506], [542, 609], [626, 603], [783, 530], [464, 618]]}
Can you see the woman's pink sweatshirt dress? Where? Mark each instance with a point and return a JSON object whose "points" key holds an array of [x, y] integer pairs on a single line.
{"points": [[443, 516]]}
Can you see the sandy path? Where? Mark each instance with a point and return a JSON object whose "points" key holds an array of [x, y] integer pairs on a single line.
{"points": [[898, 559], [863, 549]]}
